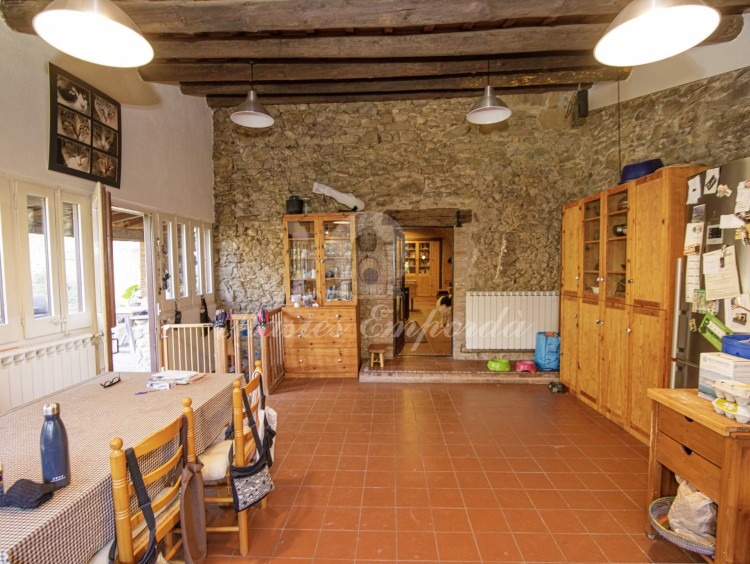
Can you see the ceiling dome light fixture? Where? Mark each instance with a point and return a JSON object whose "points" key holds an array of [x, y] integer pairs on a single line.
{"points": [[489, 108], [647, 31], [96, 31], [251, 112]]}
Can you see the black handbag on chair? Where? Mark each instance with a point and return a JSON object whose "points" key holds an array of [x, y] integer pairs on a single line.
{"points": [[251, 483]]}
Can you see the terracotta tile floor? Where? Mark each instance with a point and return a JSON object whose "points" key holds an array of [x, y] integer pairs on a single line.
{"points": [[447, 473]]}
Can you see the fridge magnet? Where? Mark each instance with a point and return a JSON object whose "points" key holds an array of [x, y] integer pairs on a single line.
{"points": [[723, 191], [702, 305], [693, 239], [699, 214], [693, 325], [714, 235], [712, 181], [694, 190], [713, 330], [736, 311]]}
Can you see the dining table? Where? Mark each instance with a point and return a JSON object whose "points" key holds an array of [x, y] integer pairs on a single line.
{"points": [[78, 520]]}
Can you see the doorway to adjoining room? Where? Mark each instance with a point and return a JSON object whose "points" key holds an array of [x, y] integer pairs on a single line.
{"points": [[427, 286], [132, 342]]}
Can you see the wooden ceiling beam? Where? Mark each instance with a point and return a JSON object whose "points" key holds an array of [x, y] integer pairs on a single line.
{"points": [[576, 37], [472, 83], [238, 16], [232, 101], [345, 70]]}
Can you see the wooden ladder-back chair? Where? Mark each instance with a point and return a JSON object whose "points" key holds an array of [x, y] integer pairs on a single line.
{"points": [[160, 458], [220, 492]]}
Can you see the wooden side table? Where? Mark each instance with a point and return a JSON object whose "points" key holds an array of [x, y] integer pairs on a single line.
{"points": [[710, 451]]}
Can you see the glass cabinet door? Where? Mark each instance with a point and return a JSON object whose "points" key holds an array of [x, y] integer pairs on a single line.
{"points": [[617, 242], [592, 247], [302, 262], [338, 260]]}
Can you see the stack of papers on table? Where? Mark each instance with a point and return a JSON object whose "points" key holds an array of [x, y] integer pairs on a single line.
{"points": [[177, 376]]}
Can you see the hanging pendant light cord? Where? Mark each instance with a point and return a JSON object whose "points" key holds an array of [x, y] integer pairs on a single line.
{"points": [[619, 136]]}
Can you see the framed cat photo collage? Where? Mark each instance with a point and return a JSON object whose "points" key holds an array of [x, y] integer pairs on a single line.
{"points": [[85, 130]]}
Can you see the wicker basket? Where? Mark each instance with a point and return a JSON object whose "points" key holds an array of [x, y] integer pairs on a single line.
{"points": [[657, 514]]}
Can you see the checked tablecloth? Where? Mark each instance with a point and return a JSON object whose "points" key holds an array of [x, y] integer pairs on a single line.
{"points": [[79, 519]]}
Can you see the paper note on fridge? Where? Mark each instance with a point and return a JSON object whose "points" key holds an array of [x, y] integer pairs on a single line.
{"points": [[742, 203], [731, 222], [712, 181], [692, 277], [694, 190], [720, 273]]}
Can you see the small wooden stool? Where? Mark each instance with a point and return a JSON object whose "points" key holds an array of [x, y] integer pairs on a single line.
{"points": [[378, 350]]}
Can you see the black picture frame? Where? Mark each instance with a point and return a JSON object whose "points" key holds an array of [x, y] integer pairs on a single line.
{"points": [[85, 134]]}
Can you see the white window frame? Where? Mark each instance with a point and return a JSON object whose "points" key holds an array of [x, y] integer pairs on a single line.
{"points": [[81, 320], [207, 240], [182, 256], [10, 330], [59, 321], [198, 274]]}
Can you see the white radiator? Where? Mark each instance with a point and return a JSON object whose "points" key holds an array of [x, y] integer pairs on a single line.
{"points": [[509, 320], [32, 372]]}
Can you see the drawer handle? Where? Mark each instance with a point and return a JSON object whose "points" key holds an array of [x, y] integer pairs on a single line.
{"points": [[299, 317], [299, 336], [688, 419], [338, 336], [300, 361], [338, 316], [339, 360], [686, 450]]}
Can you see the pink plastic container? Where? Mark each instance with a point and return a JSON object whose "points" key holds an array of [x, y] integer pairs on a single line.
{"points": [[525, 366]]}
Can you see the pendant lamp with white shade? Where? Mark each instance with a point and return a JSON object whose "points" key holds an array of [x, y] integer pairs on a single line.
{"points": [[96, 31], [647, 31], [251, 112], [489, 108]]}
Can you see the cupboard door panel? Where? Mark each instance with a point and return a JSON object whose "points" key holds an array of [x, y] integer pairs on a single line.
{"points": [[615, 386], [590, 334], [650, 245], [648, 364], [569, 318], [571, 250]]}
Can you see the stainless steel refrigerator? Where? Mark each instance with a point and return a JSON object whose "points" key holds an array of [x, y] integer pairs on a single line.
{"points": [[688, 341]]}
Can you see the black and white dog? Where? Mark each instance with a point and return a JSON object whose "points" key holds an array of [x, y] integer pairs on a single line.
{"points": [[444, 307]]}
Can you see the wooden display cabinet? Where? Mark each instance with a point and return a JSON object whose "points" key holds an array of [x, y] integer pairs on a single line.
{"points": [[320, 259], [321, 329], [629, 238]]}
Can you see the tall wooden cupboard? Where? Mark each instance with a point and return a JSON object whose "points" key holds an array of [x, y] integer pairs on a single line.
{"points": [[321, 325], [619, 252]]}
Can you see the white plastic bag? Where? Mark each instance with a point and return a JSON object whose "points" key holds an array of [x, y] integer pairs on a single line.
{"points": [[692, 514]]}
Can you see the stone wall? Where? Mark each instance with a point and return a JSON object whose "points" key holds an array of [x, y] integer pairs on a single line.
{"points": [[515, 176]]}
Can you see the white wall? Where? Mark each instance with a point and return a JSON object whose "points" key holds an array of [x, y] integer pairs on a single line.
{"points": [[695, 64], [167, 137]]}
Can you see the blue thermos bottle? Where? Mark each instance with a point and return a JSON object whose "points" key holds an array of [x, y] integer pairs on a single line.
{"points": [[53, 444]]}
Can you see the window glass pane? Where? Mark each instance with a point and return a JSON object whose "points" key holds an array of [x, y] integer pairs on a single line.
{"points": [[3, 316], [167, 282], [182, 259], [197, 260], [208, 259], [37, 214], [73, 257]]}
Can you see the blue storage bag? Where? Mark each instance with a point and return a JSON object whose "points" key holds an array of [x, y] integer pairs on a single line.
{"points": [[547, 353]]}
